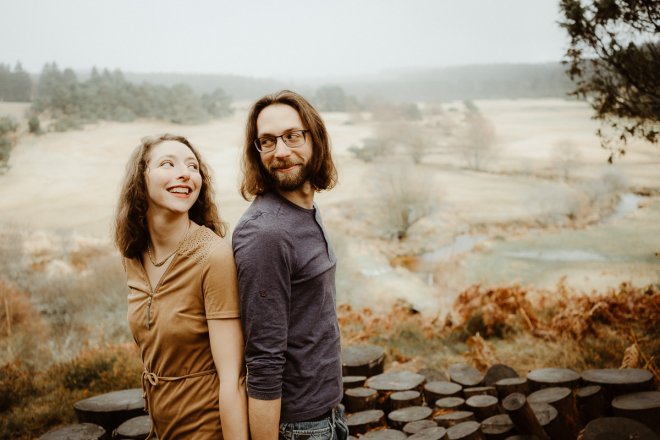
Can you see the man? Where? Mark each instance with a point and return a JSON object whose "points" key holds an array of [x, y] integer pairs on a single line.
{"points": [[286, 274]]}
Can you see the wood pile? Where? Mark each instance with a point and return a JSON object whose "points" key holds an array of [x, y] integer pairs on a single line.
{"points": [[466, 404], [461, 404], [115, 415]]}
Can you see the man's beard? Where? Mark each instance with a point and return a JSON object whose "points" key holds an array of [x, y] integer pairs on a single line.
{"points": [[288, 181]]}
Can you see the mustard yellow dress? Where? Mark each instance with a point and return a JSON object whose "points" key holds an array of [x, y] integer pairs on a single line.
{"points": [[169, 325]]}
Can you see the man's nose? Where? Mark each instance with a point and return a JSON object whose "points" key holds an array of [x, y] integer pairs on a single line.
{"points": [[281, 149]]}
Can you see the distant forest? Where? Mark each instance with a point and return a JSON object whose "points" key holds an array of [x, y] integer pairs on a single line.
{"points": [[498, 81]]}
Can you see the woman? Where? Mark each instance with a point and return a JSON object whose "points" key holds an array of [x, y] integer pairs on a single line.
{"points": [[183, 307]]}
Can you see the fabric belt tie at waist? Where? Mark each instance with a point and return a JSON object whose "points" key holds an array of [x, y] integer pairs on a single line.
{"points": [[153, 379]]}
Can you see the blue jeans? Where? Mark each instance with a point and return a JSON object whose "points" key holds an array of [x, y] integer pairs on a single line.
{"points": [[330, 428]]}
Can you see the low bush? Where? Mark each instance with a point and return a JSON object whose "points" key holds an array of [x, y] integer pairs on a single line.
{"points": [[34, 402]]}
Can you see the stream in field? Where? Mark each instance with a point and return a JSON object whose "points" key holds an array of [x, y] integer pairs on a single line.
{"points": [[424, 264]]}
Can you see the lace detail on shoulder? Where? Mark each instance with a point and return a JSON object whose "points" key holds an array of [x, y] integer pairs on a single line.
{"points": [[198, 245]]}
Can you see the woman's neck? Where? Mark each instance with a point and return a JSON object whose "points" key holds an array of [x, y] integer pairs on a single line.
{"points": [[166, 231]]}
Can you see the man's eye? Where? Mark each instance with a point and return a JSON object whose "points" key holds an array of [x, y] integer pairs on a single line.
{"points": [[266, 142], [293, 136]]}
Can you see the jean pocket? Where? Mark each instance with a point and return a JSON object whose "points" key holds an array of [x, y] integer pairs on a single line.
{"points": [[341, 428], [312, 434]]}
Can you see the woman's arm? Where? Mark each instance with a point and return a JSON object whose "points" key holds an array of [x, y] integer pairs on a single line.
{"points": [[227, 349]]}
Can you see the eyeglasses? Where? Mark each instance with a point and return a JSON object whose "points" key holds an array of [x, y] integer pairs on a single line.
{"points": [[292, 139]]}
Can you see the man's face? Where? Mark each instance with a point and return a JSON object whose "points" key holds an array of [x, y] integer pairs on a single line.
{"points": [[286, 165]]}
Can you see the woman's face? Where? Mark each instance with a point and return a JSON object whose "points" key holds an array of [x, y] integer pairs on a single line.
{"points": [[172, 177]]}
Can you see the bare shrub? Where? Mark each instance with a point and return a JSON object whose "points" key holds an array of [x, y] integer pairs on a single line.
{"points": [[475, 138], [22, 328], [71, 289], [404, 138], [565, 157], [404, 194]]}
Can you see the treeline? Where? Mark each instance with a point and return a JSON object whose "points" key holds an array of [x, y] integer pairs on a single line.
{"points": [[499, 81], [15, 85], [457, 83], [106, 95]]}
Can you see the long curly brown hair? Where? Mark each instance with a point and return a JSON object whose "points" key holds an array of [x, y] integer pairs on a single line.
{"points": [[131, 231], [322, 171]]}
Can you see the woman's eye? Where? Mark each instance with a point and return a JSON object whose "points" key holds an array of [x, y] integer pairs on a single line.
{"points": [[167, 163], [193, 166]]}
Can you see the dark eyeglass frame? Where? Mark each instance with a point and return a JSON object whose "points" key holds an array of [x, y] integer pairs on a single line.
{"points": [[257, 143]]}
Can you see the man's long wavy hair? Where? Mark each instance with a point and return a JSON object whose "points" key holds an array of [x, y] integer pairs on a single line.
{"points": [[321, 168], [131, 231]]}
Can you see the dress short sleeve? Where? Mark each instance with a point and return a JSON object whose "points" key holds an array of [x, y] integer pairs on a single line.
{"points": [[219, 283]]}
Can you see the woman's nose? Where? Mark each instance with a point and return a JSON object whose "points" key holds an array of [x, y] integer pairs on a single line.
{"points": [[184, 174]]}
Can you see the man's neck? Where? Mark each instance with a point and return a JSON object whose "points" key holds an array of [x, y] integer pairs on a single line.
{"points": [[303, 197]]}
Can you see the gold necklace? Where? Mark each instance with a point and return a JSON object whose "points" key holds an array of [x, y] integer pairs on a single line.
{"points": [[160, 263]]}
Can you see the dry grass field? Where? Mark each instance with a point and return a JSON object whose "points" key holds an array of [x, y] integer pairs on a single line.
{"points": [[557, 233], [515, 221]]}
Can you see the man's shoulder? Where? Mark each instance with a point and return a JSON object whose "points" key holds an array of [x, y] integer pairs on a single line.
{"points": [[262, 218]]}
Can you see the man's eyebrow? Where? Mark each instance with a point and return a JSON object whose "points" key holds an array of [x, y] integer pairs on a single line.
{"points": [[285, 131]]}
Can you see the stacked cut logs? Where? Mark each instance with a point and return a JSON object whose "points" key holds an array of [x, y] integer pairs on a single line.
{"points": [[466, 404], [115, 415]]}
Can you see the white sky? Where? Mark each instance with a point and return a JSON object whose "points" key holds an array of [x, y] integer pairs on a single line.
{"points": [[288, 39]]}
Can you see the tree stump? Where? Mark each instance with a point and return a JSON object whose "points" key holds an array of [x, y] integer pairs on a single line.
{"points": [[591, 403], [453, 403], [362, 360], [498, 372], [111, 409], [563, 400], [433, 375], [643, 406], [135, 428], [479, 391], [616, 382], [548, 417], [553, 377], [360, 399], [389, 382], [447, 420], [483, 406], [497, 427], [618, 428], [403, 399], [523, 416], [82, 431], [512, 385], [361, 422], [440, 389], [432, 433], [465, 431], [384, 434], [399, 418], [353, 381], [465, 375], [416, 426]]}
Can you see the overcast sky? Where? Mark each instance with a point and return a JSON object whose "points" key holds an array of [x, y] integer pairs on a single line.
{"points": [[286, 39]]}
